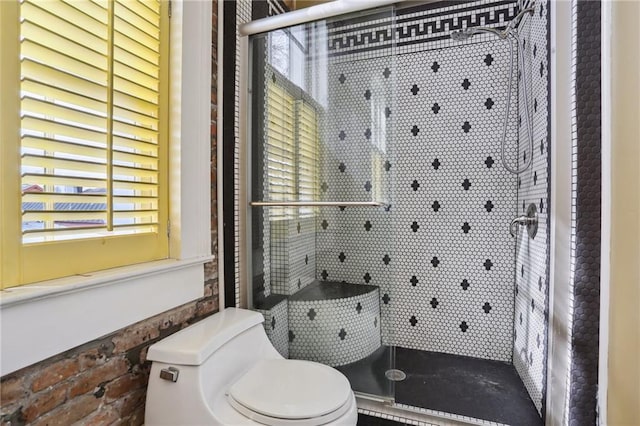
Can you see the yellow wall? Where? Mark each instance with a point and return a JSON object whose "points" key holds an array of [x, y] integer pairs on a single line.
{"points": [[623, 404]]}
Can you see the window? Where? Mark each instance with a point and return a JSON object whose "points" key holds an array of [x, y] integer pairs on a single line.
{"points": [[88, 126], [291, 151]]}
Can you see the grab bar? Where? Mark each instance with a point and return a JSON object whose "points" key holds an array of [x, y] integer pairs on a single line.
{"points": [[318, 204]]}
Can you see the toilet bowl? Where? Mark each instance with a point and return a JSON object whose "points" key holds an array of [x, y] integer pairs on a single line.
{"points": [[223, 370]]}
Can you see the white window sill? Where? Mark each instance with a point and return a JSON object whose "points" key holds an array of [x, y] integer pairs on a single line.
{"points": [[40, 320]]}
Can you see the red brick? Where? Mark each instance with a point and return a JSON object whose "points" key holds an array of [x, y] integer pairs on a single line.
{"points": [[208, 289], [205, 307], [131, 402], [54, 373], [179, 315], [74, 410], [90, 359], [137, 335], [125, 384], [105, 416], [44, 402], [12, 390], [137, 418], [90, 379]]}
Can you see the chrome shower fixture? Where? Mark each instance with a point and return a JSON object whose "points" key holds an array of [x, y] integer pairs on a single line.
{"points": [[467, 33], [509, 33]]}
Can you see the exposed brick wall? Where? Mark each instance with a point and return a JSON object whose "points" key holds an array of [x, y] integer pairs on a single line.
{"points": [[100, 382], [104, 381]]}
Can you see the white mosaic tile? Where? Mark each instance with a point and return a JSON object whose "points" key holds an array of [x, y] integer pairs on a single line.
{"points": [[335, 331], [450, 205], [532, 265], [276, 325]]}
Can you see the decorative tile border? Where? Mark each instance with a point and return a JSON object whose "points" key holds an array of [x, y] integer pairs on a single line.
{"points": [[412, 29]]}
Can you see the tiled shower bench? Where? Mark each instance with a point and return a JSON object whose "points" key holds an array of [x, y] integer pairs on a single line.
{"points": [[335, 323]]}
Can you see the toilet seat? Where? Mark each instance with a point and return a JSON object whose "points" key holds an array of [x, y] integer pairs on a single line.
{"points": [[285, 392]]}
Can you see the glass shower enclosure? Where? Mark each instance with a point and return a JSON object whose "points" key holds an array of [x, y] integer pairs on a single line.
{"points": [[320, 177], [379, 202]]}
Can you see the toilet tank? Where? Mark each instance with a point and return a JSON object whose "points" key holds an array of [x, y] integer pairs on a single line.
{"points": [[196, 343], [209, 357]]}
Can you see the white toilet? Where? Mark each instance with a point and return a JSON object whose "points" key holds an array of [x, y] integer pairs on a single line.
{"points": [[224, 371]]}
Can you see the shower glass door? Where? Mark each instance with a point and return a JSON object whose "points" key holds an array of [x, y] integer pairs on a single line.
{"points": [[320, 152]]}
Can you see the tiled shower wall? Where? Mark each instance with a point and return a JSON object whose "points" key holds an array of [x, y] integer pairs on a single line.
{"points": [[532, 264], [422, 118]]}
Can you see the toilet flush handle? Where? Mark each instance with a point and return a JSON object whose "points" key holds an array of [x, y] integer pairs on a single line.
{"points": [[170, 374]]}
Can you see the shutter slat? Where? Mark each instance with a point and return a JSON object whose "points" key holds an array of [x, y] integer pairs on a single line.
{"points": [[126, 86], [79, 118], [54, 42], [135, 61], [126, 13], [143, 12], [96, 25], [47, 76], [142, 161], [153, 5], [124, 114], [77, 231], [93, 37], [63, 180], [131, 74], [63, 216], [133, 199], [58, 197], [133, 47], [88, 8], [63, 62], [62, 95], [131, 130], [63, 164], [62, 130], [125, 144], [136, 173], [147, 42], [152, 188], [128, 101], [63, 147]]}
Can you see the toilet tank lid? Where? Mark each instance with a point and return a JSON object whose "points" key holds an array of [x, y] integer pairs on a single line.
{"points": [[196, 343]]}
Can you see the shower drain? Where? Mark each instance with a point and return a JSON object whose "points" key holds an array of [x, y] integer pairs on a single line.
{"points": [[395, 375]]}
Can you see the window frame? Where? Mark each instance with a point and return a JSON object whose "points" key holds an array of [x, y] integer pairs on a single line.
{"points": [[50, 317]]}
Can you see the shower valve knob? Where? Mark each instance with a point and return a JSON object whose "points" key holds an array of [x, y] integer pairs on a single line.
{"points": [[530, 221]]}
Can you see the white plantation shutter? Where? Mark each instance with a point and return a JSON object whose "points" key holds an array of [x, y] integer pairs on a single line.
{"points": [[90, 84]]}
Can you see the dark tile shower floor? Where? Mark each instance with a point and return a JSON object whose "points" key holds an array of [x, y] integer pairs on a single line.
{"points": [[473, 387]]}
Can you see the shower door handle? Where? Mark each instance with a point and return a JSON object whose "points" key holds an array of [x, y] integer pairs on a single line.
{"points": [[318, 204]]}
